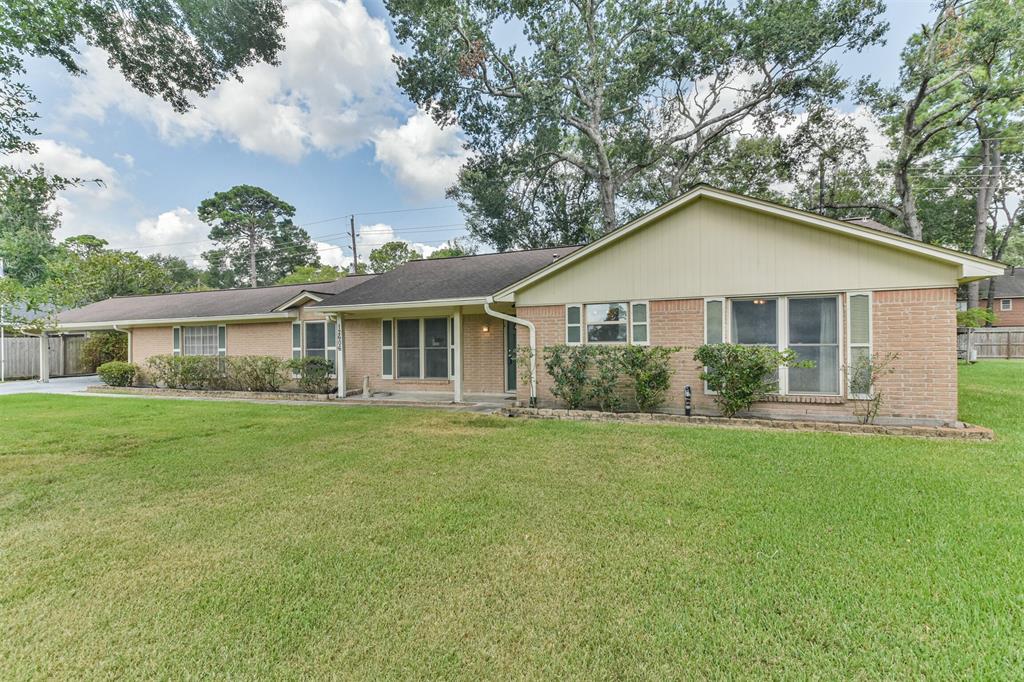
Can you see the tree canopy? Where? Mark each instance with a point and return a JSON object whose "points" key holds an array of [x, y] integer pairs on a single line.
{"points": [[257, 240], [599, 96], [390, 255]]}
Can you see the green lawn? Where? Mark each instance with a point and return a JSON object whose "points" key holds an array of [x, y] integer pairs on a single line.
{"points": [[169, 539]]}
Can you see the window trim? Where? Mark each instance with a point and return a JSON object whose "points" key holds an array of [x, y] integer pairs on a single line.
{"points": [[850, 345], [222, 340], [646, 323], [723, 330], [297, 350], [176, 341], [1005, 305]]}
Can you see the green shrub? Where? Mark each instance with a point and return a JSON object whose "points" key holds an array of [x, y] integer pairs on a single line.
{"points": [[103, 347], [117, 373], [975, 317], [604, 375], [194, 372], [263, 373], [650, 372], [568, 366], [742, 375], [314, 374]]}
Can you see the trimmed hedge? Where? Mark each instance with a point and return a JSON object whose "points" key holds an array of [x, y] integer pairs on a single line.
{"points": [[117, 373]]}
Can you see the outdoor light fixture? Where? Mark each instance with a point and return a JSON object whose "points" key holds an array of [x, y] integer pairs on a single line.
{"points": [[486, 328]]}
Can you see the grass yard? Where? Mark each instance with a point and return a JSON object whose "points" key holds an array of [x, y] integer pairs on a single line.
{"points": [[148, 538]]}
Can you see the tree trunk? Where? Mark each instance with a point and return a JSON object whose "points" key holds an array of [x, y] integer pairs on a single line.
{"points": [[607, 189], [908, 203], [987, 181], [252, 257]]}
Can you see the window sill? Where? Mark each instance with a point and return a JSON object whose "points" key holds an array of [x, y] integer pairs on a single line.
{"points": [[806, 399]]}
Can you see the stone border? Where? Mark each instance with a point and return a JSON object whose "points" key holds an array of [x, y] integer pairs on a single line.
{"points": [[967, 432], [216, 395]]}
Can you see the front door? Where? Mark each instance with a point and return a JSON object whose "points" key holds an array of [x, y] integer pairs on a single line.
{"points": [[510, 357]]}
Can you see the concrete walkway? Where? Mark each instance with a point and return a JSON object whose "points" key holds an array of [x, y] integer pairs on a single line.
{"points": [[63, 385]]}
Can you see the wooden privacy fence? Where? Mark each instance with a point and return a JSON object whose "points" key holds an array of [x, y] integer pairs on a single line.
{"points": [[21, 355], [990, 342]]}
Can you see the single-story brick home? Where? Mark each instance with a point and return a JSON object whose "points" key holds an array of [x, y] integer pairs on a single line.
{"points": [[709, 266]]}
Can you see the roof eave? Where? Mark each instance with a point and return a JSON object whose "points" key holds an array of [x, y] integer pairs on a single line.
{"points": [[391, 305]]}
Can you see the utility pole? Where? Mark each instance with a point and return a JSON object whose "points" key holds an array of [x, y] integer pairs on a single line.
{"points": [[355, 254]]}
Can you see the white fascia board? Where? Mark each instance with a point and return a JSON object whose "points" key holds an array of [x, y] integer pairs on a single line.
{"points": [[968, 263], [178, 321]]}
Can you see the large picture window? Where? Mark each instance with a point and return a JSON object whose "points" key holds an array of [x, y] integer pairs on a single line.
{"points": [[606, 323], [424, 347], [408, 349], [814, 336], [755, 322], [200, 340], [435, 348]]}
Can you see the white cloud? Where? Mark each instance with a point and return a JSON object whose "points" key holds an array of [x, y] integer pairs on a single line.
{"points": [[127, 159], [84, 207], [370, 237], [178, 232], [420, 155], [333, 89]]}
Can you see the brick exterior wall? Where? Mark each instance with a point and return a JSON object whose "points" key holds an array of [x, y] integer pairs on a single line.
{"points": [[1008, 318], [483, 358], [149, 341], [261, 338], [918, 324]]}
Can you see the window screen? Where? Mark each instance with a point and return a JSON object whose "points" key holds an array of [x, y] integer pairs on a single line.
{"points": [[200, 340]]}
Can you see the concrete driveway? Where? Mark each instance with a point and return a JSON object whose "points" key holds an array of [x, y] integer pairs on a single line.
{"points": [[62, 385]]}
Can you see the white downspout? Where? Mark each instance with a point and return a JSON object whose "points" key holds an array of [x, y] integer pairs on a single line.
{"points": [[129, 333], [533, 343]]}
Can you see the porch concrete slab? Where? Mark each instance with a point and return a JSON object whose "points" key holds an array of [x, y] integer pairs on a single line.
{"points": [[62, 385]]}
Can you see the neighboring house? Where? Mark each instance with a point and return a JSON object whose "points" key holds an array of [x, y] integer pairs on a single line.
{"points": [[1007, 298], [709, 266]]}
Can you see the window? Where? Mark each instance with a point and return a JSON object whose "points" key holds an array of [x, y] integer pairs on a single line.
{"points": [[640, 328], [858, 325], [435, 348], [409, 348], [176, 341], [424, 347], [606, 323], [755, 322], [296, 340], [814, 335], [222, 340], [316, 340], [332, 343], [387, 348], [714, 328], [1006, 304], [572, 324], [200, 340]]}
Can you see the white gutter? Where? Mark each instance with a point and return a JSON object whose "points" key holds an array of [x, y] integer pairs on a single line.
{"points": [[163, 322], [129, 333], [533, 343]]}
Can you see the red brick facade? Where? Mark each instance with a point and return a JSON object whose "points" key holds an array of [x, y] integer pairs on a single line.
{"points": [[1014, 317], [919, 325]]}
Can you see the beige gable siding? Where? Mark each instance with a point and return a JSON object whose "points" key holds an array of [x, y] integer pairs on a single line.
{"points": [[709, 248]]}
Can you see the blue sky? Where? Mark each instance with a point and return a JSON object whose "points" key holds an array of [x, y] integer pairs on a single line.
{"points": [[327, 131]]}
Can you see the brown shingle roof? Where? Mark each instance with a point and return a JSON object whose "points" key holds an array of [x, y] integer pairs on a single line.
{"points": [[448, 278], [1010, 285], [215, 303]]}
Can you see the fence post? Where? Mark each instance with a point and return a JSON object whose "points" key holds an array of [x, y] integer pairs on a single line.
{"points": [[1009, 346]]}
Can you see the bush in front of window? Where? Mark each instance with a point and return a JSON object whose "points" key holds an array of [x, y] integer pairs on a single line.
{"points": [[567, 366], [743, 375], [865, 372], [314, 373], [194, 372], [649, 369], [257, 373], [604, 379], [117, 373]]}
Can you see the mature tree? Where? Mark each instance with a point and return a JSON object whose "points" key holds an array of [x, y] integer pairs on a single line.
{"points": [[27, 222], [85, 271], [166, 48], [184, 276], [602, 91], [956, 72], [312, 273], [390, 255], [255, 234], [455, 248]]}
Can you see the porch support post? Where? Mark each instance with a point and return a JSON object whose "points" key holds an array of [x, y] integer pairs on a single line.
{"points": [[339, 343], [457, 332], [44, 357]]}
